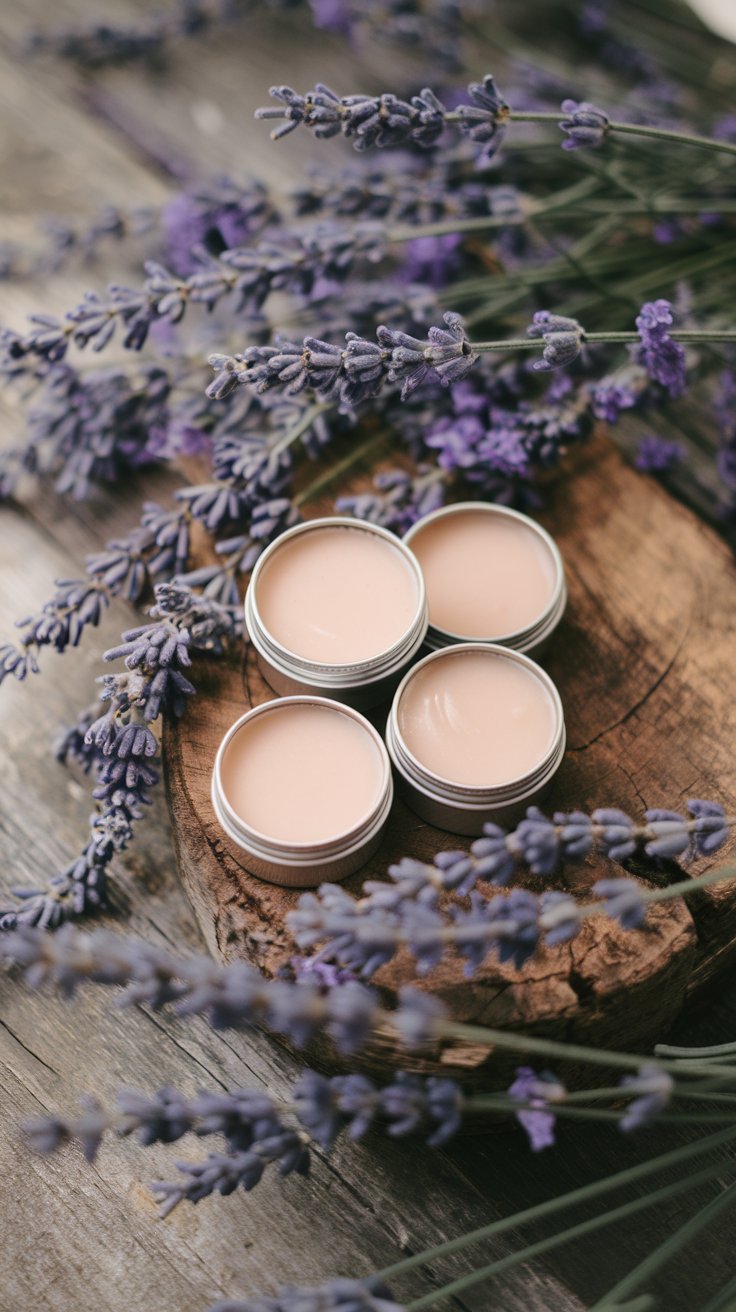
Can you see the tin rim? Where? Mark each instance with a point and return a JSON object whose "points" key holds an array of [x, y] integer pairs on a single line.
{"points": [[538, 628], [267, 845], [335, 673], [470, 795]]}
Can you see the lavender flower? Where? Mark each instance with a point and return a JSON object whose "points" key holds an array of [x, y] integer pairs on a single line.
{"points": [[538, 1091], [663, 358], [563, 339], [623, 900], [364, 934], [386, 120], [355, 372], [340, 1295], [232, 997], [654, 1087], [584, 126], [657, 454]]}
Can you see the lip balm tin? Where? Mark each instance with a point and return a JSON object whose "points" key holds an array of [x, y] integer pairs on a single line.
{"points": [[363, 681], [533, 634], [462, 807], [304, 864]]}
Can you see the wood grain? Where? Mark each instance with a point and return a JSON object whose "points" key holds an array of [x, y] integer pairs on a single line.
{"points": [[644, 664], [81, 1239]]}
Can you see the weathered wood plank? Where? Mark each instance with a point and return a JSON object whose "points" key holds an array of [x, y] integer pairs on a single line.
{"points": [[85, 1239], [642, 657]]}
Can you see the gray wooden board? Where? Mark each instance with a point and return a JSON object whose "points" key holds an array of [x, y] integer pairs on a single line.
{"points": [[76, 1238]]}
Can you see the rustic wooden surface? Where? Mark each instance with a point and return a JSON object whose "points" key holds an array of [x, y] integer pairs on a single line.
{"points": [[643, 656], [81, 1239]]}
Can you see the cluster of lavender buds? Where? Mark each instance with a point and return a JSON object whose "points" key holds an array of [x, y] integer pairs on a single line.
{"points": [[254, 1127], [363, 934], [434, 28], [387, 120], [339, 1295], [663, 358], [120, 748], [89, 430], [235, 996]]}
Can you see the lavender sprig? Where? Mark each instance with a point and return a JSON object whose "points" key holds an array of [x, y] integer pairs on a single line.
{"points": [[386, 120], [235, 996], [364, 934], [254, 1127], [122, 749]]}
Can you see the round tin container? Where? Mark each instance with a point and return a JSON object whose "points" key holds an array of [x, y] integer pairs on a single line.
{"points": [[461, 807], [472, 577], [362, 682], [304, 864]]}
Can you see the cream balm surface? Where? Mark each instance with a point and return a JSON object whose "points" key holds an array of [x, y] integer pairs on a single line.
{"points": [[302, 773], [337, 595], [488, 575], [476, 717]]}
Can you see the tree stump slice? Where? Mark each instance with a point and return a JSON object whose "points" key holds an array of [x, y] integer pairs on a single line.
{"points": [[644, 661]]}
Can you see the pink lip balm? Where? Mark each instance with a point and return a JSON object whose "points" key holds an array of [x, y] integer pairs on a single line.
{"points": [[336, 607], [337, 595], [491, 574], [476, 732], [303, 786]]}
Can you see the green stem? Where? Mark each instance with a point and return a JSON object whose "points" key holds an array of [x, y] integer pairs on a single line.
{"points": [[574, 1052], [633, 130], [565, 1236], [663, 1252], [584, 1194], [529, 343], [342, 467], [715, 1050], [301, 425]]}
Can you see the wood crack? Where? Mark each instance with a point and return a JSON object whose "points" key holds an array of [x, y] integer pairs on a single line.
{"points": [[582, 747]]}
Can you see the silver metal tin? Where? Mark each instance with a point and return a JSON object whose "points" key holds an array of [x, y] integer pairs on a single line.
{"points": [[534, 636], [304, 865], [459, 807], [362, 685]]}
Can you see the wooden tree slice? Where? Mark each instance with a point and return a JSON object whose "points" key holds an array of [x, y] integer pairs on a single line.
{"points": [[645, 662]]}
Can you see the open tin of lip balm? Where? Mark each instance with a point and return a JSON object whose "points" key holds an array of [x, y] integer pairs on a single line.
{"points": [[491, 574], [336, 607], [476, 733], [303, 786]]}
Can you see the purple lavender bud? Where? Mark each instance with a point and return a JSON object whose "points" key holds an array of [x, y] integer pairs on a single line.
{"points": [[654, 1087], [484, 122], [539, 1090], [496, 861], [610, 396], [617, 833], [560, 918], [576, 834], [563, 339], [421, 930], [537, 842], [711, 826], [340, 1295], [623, 900], [657, 455], [352, 1010], [317, 1108], [417, 1017], [663, 358], [358, 1101], [670, 834], [585, 125]]}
